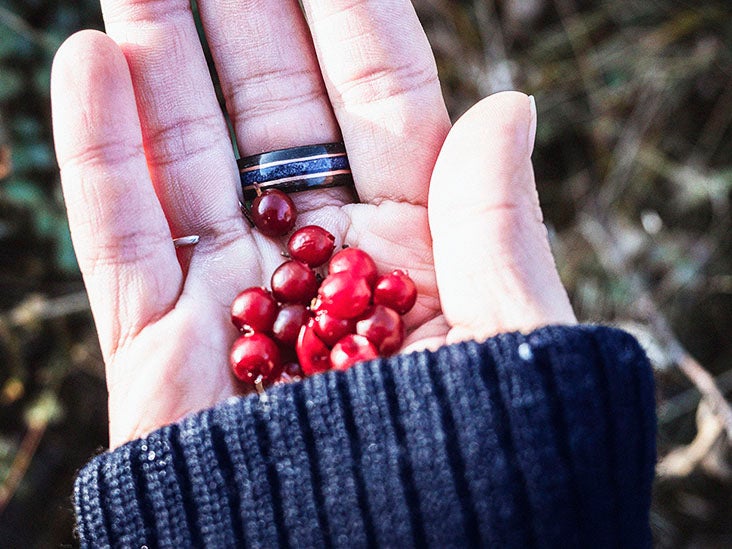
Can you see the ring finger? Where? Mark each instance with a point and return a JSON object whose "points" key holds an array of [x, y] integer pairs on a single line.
{"points": [[269, 73]]}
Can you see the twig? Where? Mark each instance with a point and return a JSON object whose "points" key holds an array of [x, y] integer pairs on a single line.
{"points": [[32, 310], [629, 144], [21, 462], [13, 348], [19, 26], [600, 233], [707, 386], [685, 402], [496, 68], [708, 244], [717, 123], [38, 307], [683, 460]]}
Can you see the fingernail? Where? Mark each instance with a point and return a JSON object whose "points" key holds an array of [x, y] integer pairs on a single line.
{"points": [[532, 124]]}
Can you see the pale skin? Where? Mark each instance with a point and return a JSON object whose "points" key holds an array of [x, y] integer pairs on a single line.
{"points": [[145, 157]]}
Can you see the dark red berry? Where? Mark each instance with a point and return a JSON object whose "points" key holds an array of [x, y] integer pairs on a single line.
{"points": [[255, 356], [254, 309], [313, 354], [332, 329], [294, 282], [384, 328], [273, 213], [396, 291], [344, 296], [355, 262], [312, 245], [290, 319], [350, 350]]}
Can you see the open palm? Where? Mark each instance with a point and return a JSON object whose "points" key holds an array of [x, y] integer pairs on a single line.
{"points": [[145, 156]]}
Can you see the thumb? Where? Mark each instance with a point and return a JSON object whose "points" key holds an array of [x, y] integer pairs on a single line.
{"points": [[495, 270]]}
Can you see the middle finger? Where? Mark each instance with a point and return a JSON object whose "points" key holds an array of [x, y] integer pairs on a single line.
{"points": [[269, 74]]}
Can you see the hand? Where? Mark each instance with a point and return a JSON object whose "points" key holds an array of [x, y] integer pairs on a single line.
{"points": [[145, 156]]}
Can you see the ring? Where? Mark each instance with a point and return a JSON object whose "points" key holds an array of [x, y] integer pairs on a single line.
{"points": [[296, 169]]}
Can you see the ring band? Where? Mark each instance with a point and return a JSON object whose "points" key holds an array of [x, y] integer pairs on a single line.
{"points": [[296, 169]]}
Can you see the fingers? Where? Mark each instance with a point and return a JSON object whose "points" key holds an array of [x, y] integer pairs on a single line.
{"points": [[377, 66], [269, 74], [495, 270], [382, 82], [189, 153], [272, 83], [121, 237]]}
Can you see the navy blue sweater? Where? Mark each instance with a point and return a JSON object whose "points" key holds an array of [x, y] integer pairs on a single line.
{"points": [[539, 440]]}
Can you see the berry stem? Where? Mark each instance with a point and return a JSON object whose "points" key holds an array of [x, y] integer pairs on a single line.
{"points": [[263, 397]]}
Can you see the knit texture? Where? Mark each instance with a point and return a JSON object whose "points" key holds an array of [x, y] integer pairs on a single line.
{"points": [[539, 440]]}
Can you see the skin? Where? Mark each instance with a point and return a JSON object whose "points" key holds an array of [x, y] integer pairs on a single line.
{"points": [[145, 156]]}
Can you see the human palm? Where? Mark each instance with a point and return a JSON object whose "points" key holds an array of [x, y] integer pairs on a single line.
{"points": [[145, 157]]}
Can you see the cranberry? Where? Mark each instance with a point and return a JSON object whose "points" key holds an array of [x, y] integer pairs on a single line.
{"points": [[312, 245], [384, 328], [397, 291], [255, 356], [350, 350], [294, 282], [273, 213], [355, 262], [304, 327], [331, 329], [254, 309], [290, 319], [344, 295], [313, 354]]}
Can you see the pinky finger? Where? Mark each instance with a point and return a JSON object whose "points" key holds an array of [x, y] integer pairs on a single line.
{"points": [[120, 233]]}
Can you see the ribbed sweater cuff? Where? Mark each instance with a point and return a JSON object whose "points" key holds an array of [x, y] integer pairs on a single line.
{"points": [[544, 439]]}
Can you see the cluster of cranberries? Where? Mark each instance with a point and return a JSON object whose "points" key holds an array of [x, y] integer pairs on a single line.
{"points": [[307, 323]]}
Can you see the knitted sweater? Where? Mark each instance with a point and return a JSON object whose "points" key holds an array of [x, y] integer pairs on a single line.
{"points": [[539, 440]]}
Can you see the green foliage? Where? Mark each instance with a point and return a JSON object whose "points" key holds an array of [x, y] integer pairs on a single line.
{"points": [[40, 352]]}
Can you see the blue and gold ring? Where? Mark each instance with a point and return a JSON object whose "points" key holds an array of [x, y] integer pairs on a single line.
{"points": [[296, 169]]}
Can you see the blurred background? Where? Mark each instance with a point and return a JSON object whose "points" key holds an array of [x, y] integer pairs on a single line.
{"points": [[634, 164]]}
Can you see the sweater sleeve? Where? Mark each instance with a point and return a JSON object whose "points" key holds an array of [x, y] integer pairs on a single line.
{"points": [[543, 440]]}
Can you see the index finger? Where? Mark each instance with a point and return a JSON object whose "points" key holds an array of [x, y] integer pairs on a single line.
{"points": [[120, 234]]}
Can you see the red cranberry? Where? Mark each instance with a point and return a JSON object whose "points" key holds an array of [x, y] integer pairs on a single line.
{"points": [[312, 245], [294, 282], [397, 291], [344, 296], [355, 262], [273, 213], [350, 350], [313, 354], [332, 329], [289, 320], [255, 356], [254, 309], [384, 328]]}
